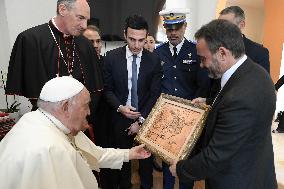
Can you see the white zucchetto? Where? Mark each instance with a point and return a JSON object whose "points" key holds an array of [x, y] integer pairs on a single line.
{"points": [[60, 88]]}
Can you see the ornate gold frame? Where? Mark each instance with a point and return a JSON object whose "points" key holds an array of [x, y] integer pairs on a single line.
{"points": [[173, 127]]}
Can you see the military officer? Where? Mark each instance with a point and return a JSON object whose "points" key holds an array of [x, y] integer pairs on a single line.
{"points": [[183, 77]]}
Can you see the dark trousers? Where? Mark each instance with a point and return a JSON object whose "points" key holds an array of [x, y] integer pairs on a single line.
{"points": [[114, 179], [280, 127], [169, 180], [146, 173]]}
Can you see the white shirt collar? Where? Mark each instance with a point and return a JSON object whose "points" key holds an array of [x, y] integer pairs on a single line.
{"points": [[129, 53], [55, 121], [178, 46], [226, 76]]}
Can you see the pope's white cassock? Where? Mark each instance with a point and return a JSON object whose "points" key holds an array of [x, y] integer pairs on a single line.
{"points": [[37, 154]]}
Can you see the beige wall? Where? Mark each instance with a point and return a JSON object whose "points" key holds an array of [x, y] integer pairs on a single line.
{"points": [[254, 21], [220, 6], [274, 34]]}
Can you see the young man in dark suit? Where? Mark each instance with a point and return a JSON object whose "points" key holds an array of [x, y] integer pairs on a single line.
{"points": [[236, 150], [132, 86]]}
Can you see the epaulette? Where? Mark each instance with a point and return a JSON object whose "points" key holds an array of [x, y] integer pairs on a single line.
{"points": [[194, 42], [161, 44]]}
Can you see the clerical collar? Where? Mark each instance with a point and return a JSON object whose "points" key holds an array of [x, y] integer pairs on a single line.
{"points": [[53, 22], [178, 46], [55, 121]]}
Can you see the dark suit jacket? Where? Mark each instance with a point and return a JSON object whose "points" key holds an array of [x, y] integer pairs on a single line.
{"points": [[116, 82], [237, 148], [257, 53]]}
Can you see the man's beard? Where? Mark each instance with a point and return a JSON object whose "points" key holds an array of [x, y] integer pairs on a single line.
{"points": [[214, 71]]}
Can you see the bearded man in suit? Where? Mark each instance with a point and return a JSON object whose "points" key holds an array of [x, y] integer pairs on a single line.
{"points": [[236, 142]]}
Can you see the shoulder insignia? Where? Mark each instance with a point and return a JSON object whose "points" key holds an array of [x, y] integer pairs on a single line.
{"points": [[159, 45]]}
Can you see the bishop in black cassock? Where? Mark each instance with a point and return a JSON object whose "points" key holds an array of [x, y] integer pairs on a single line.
{"points": [[42, 53]]}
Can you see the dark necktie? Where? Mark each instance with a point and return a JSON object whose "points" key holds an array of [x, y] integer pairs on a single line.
{"points": [[134, 96], [175, 52]]}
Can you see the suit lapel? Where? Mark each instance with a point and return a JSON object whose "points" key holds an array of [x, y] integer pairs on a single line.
{"points": [[235, 77], [167, 53], [142, 72], [123, 67], [230, 83]]}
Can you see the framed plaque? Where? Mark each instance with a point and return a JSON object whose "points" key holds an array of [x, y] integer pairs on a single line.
{"points": [[172, 128]]}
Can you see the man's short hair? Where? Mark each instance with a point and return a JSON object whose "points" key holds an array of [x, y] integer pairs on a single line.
{"points": [[68, 3], [236, 10], [135, 22], [94, 28], [222, 33]]}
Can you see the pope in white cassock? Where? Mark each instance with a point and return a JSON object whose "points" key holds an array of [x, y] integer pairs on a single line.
{"points": [[47, 149]]}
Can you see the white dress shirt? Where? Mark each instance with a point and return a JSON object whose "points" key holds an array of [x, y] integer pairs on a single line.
{"points": [[226, 76], [171, 46], [129, 58]]}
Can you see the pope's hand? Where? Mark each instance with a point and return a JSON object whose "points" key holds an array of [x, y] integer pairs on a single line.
{"points": [[138, 152]]}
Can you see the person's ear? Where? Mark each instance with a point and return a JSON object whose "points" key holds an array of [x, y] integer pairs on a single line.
{"points": [[242, 25], [65, 107], [222, 53], [124, 34], [62, 10]]}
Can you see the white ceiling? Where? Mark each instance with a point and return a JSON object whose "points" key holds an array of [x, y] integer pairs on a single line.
{"points": [[251, 3]]}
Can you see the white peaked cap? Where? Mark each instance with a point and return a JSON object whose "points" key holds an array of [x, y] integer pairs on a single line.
{"points": [[174, 11], [174, 16], [60, 88]]}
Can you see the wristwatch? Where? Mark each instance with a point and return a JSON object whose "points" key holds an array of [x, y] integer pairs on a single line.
{"points": [[140, 120]]}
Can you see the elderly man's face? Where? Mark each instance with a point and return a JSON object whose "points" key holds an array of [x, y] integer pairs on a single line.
{"points": [[95, 38], [75, 18], [208, 61], [78, 112], [175, 36]]}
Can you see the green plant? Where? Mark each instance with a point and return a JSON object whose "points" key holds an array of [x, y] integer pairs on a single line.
{"points": [[13, 108]]}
